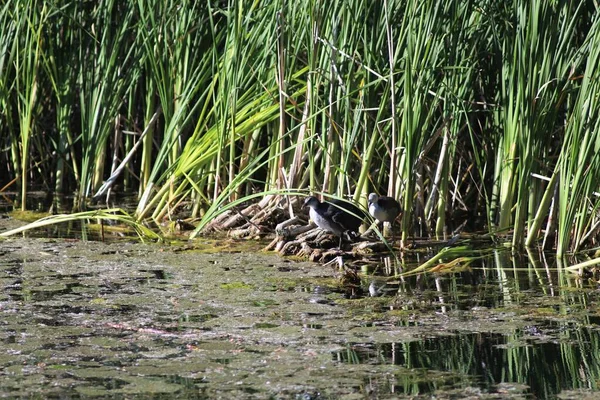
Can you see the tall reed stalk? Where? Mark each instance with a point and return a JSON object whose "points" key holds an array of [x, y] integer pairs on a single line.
{"points": [[455, 108], [27, 50], [579, 162], [9, 133]]}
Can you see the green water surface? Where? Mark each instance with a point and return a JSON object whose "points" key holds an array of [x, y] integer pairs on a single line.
{"points": [[128, 320]]}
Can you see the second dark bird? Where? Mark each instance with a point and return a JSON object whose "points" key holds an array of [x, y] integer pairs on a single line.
{"points": [[384, 208]]}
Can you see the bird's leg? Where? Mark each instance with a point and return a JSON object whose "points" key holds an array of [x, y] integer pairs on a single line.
{"points": [[388, 229], [381, 227]]}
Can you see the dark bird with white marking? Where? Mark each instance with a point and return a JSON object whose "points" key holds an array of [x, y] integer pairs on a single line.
{"points": [[335, 216]]}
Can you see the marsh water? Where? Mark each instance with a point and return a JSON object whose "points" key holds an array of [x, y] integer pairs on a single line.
{"points": [[220, 319]]}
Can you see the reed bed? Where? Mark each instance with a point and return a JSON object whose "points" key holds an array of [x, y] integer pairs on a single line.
{"points": [[477, 110]]}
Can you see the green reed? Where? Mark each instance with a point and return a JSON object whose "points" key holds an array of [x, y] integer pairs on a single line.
{"points": [[456, 108]]}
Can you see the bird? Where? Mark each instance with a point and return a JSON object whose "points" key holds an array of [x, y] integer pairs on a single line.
{"points": [[384, 208], [335, 216]]}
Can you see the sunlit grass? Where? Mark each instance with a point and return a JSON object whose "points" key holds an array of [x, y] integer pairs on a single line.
{"points": [[116, 214]]}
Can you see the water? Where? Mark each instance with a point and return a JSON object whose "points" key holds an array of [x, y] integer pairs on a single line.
{"points": [[129, 320], [521, 363]]}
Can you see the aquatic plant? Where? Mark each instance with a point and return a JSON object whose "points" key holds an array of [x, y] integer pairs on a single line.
{"points": [[474, 111], [116, 215]]}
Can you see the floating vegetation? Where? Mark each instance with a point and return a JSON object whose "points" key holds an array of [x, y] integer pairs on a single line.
{"points": [[129, 319]]}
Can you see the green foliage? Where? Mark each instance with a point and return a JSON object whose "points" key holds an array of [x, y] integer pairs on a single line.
{"points": [[113, 214], [450, 106]]}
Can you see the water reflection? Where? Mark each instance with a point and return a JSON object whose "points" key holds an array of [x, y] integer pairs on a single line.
{"points": [[503, 280], [544, 367], [554, 347]]}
